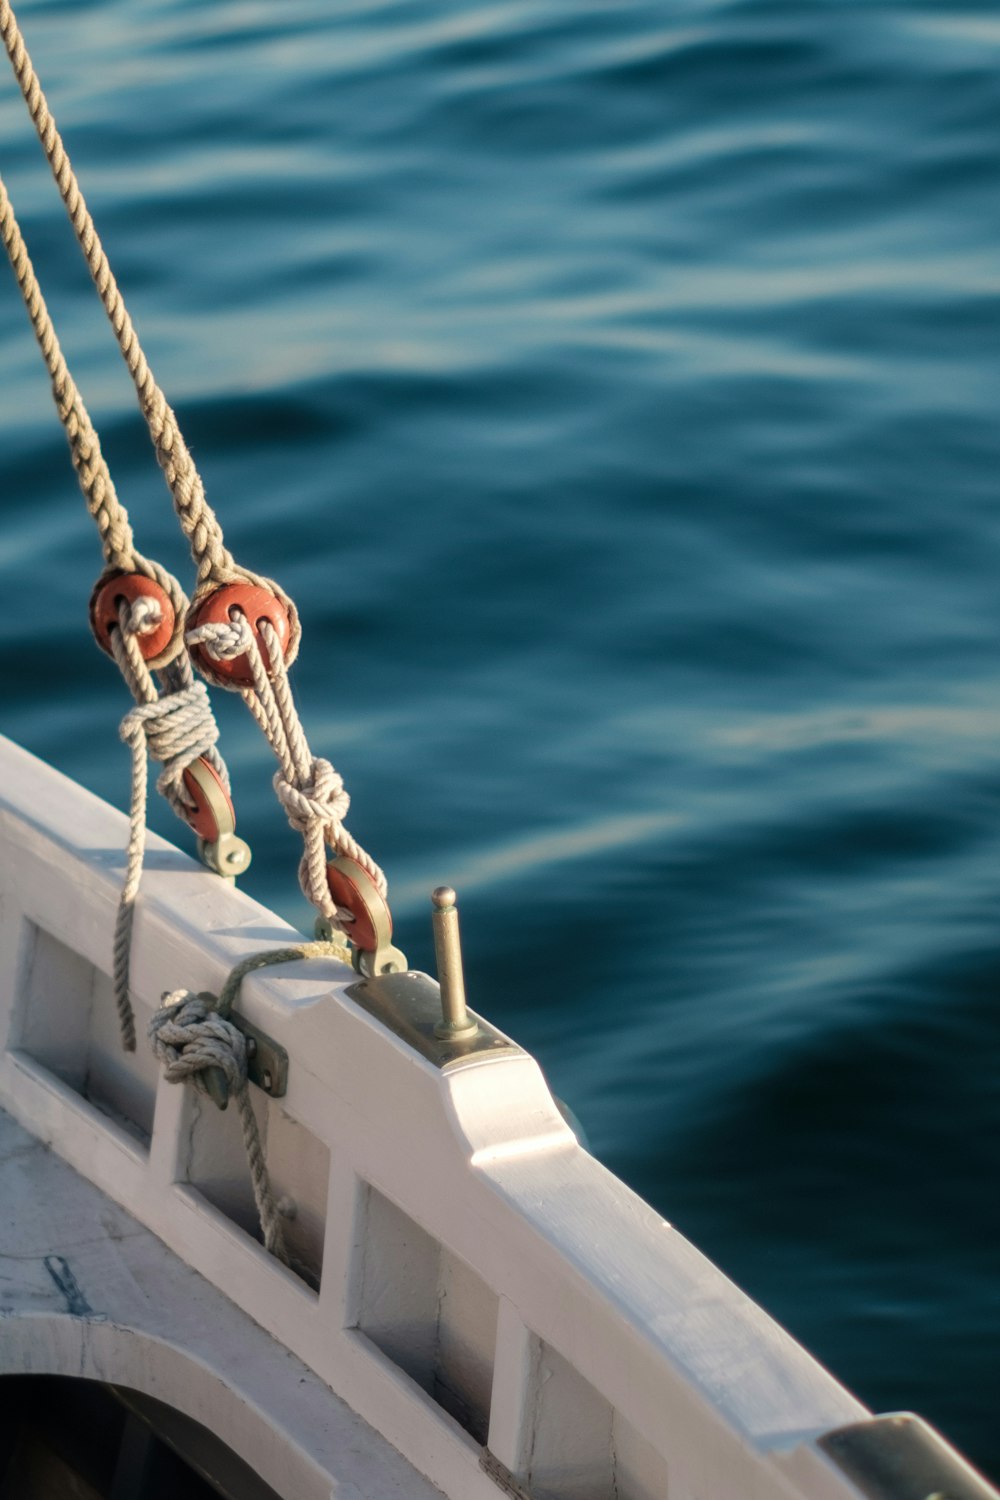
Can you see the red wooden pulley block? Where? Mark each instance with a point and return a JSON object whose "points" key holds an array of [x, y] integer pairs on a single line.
{"points": [[354, 889], [213, 813], [128, 587], [222, 606]]}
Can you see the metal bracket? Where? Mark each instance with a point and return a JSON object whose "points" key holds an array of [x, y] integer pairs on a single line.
{"points": [[409, 1005], [267, 1062]]}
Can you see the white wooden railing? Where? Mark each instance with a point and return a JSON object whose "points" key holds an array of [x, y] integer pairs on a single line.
{"points": [[483, 1292]]}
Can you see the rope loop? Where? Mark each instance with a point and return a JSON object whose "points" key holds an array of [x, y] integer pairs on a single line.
{"points": [[145, 615], [170, 586], [175, 729], [174, 646], [219, 643], [320, 798], [223, 641]]}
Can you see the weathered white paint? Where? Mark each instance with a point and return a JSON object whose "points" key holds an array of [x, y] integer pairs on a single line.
{"points": [[140, 1317], [471, 1250]]}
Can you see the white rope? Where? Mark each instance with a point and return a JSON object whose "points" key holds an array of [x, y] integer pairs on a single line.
{"points": [[308, 787], [189, 1037], [175, 729]]}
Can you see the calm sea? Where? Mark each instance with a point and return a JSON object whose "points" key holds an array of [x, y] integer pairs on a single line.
{"points": [[614, 385]]}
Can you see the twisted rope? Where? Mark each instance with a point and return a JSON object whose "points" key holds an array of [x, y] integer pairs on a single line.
{"points": [[229, 994], [175, 729], [308, 787], [85, 448], [189, 1037], [213, 561], [92, 472]]}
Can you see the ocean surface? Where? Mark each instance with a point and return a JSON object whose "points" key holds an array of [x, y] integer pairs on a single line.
{"points": [[615, 387]]}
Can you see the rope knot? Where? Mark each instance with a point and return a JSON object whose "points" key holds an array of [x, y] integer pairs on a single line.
{"points": [[177, 728], [223, 641], [144, 615], [320, 799], [189, 1036]]}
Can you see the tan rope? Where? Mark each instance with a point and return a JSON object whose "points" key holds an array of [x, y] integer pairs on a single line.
{"points": [[230, 992], [175, 728], [91, 467], [88, 460], [213, 561], [307, 786]]}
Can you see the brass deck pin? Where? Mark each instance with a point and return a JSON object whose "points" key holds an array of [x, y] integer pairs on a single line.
{"points": [[456, 1021]]}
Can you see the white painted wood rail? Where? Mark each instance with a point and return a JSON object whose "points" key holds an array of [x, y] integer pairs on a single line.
{"points": [[483, 1291]]}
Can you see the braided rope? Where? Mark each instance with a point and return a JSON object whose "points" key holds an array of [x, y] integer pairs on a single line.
{"points": [[92, 472], [214, 562], [229, 994], [88, 460], [175, 728], [308, 787], [189, 1037]]}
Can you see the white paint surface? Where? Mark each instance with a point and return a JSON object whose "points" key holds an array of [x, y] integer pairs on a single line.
{"points": [[470, 1248]]}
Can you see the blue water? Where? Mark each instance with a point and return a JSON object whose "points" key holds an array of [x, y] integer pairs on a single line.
{"points": [[614, 385]]}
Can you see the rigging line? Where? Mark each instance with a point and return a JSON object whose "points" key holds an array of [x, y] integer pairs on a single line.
{"points": [[176, 727], [308, 787], [85, 448], [92, 472], [213, 561]]}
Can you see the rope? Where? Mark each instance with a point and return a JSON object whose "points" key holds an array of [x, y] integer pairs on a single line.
{"points": [[310, 790], [92, 472], [188, 1037], [213, 561], [175, 729], [88, 460], [308, 787], [229, 993]]}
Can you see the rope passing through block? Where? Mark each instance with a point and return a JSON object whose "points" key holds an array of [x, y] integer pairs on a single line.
{"points": [[177, 729], [308, 787], [220, 653], [242, 630], [153, 615]]}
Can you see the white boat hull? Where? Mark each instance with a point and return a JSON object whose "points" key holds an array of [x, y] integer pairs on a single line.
{"points": [[494, 1309]]}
